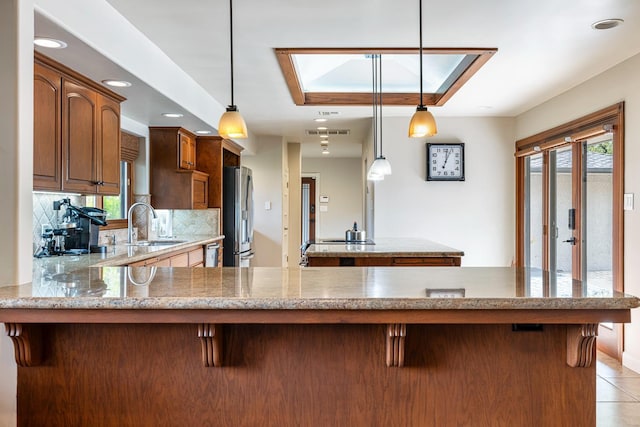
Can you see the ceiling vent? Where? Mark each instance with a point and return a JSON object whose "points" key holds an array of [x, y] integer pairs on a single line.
{"points": [[342, 132]]}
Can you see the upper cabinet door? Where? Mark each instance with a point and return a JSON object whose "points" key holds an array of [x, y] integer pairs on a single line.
{"points": [[79, 138], [46, 129], [108, 164], [187, 152]]}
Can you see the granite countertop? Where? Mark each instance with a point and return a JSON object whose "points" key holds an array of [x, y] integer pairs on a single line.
{"points": [[387, 247], [116, 255], [326, 288]]}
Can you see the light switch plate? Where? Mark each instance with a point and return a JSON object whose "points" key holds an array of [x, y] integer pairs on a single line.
{"points": [[628, 201], [267, 205], [324, 208]]}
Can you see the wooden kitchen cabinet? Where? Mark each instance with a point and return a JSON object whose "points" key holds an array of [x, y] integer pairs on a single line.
{"points": [[47, 104], [108, 146], [189, 257], [76, 132], [186, 151], [346, 261], [79, 139], [213, 153], [172, 186]]}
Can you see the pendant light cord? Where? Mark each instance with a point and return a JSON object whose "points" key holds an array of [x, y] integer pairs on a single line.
{"points": [[420, 15], [373, 103], [380, 100], [231, 46]]}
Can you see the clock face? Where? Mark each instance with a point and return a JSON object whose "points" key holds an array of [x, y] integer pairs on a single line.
{"points": [[445, 162]]}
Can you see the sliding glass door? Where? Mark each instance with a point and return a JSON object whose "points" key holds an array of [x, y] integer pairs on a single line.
{"points": [[569, 201]]}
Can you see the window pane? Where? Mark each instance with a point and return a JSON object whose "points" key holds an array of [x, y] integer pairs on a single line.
{"points": [[598, 262], [352, 72], [117, 205]]}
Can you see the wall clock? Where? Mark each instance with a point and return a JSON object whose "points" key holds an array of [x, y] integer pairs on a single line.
{"points": [[445, 162]]}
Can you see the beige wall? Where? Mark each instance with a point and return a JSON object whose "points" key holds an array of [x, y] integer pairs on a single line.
{"points": [[340, 179], [477, 215], [266, 166], [16, 164], [620, 83]]}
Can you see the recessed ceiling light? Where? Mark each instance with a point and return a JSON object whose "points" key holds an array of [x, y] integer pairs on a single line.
{"points": [[325, 152], [203, 132], [324, 135], [173, 115], [116, 83], [322, 128], [607, 24], [325, 142], [320, 120], [49, 42]]}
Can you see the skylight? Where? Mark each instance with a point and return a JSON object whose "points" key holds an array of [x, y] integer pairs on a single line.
{"points": [[343, 76]]}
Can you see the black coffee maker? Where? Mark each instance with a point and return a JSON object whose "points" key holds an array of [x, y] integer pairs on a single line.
{"points": [[77, 234], [84, 237]]}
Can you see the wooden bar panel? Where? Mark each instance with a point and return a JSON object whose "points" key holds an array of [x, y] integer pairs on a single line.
{"points": [[305, 375]]}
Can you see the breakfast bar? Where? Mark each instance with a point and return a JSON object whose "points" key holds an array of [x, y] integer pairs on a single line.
{"points": [[307, 347], [384, 252]]}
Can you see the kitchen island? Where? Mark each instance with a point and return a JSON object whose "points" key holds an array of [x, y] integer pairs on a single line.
{"points": [[385, 252], [307, 347]]}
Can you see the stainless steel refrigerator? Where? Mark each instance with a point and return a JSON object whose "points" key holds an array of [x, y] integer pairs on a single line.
{"points": [[237, 216]]}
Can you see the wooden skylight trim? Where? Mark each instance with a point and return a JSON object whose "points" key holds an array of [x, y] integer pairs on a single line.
{"points": [[285, 59]]}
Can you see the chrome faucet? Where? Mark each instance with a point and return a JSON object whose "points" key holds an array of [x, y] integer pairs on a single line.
{"points": [[129, 222]]}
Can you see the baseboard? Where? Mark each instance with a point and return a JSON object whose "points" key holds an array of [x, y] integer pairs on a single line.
{"points": [[630, 362]]}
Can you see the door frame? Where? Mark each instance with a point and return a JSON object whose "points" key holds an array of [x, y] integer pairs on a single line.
{"points": [[573, 132], [316, 178]]}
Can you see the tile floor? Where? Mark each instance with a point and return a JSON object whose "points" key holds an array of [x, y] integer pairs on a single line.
{"points": [[617, 394]]}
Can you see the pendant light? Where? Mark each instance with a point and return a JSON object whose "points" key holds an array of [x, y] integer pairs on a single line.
{"points": [[231, 123], [422, 123], [381, 165], [373, 175]]}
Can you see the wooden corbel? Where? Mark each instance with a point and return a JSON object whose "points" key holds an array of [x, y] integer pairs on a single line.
{"points": [[395, 344], [211, 341], [581, 343], [27, 343]]}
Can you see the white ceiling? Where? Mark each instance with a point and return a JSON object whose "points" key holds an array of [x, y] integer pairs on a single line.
{"points": [[545, 47]]}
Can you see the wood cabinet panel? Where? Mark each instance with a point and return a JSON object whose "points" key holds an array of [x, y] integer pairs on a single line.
{"points": [[76, 132], [173, 187], [145, 262], [186, 151], [108, 159], [78, 138], [47, 103], [200, 190], [384, 261], [165, 262], [189, 257], [306, 375], [214, 153], [196, 257], [181, 260], [426, 261]]}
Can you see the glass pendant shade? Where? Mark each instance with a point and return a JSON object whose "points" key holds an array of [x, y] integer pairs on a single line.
{"points": [[372, 176], [381, 166], [422, 124], [232, 124]]}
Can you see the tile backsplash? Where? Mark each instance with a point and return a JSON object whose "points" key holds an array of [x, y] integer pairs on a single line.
{"points": [[186, 222], [170, 222]]}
